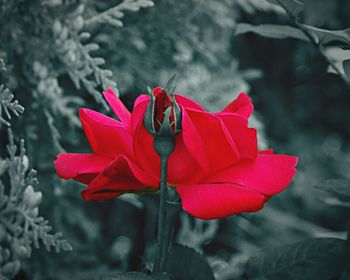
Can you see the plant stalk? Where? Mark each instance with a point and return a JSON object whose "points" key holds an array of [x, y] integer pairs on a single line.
{"points": [[162, 233]]}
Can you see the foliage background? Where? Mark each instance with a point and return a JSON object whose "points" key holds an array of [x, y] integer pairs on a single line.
{"points": [[58, 55]]}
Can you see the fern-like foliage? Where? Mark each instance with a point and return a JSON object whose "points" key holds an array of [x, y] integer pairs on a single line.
{"points": [[82, 66], [76, 50], [20, 223], [2, 65], [114, 15], [8, 104], [21, 226]]}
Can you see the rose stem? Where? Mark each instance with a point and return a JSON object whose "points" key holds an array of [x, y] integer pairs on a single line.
{"points": [[162, 214]]}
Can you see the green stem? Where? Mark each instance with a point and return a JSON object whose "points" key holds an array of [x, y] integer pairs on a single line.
{"points": [[162, 237]]}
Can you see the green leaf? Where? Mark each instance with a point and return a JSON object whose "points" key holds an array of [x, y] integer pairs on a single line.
{"points": [[346, 65], [294, 7], [340, 188], [325, 36], [313, 258], [185, 263], [322, 36], [272, 31]]}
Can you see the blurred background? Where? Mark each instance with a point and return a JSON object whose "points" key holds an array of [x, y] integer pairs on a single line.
{"points": [[58, 55]]}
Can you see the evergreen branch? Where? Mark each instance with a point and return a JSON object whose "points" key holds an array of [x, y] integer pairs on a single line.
{"points": [[20, 223], [7, 105], [2, 65], [113, 15], [82, 67], [102, 76]]}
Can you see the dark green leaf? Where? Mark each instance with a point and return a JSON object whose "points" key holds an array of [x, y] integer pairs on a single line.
{"points": [[346, 65], [272, 31], [325, 36], [322, 36], [313, 258], [169, 88], [294, 7], [185, 263], [340, 188]]}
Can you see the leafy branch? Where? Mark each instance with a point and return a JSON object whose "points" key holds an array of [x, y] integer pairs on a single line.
{"points": [[20, 223], [113, 15], [2, 65], [315, 41], [8, 104], [82, 67], [318, 37]]}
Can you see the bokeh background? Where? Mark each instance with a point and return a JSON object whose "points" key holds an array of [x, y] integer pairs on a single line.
{"points": [[58, 55]]}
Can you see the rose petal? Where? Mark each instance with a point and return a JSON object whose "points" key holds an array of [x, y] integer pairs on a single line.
{"points": [[120, 176], [140, 99], [107, 195], [218, 144], [182, 167], [242, 106], [193, 141], [266, 152], [244, 137], [117, 106], [125, 166], [138, 113], [188, 103], [268, 174], [106, 136], [144, 151], [82, 167], [212, 201]]}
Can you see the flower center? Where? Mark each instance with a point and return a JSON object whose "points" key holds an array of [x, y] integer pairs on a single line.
{"points": [[162, 103]]}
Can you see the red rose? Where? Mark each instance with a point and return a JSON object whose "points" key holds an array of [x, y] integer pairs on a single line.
{"points": [[215, 167]]}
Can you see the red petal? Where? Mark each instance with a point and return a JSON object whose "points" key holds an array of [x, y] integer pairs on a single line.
{"points": [[193, 141], [212, 201], [145, 155], [120, 176], [243, 136], [82, 167], [188, 103], [182, 167], [242, 106], [267, 174], [140, 99], [138, 113], [158, 90], [161, 103], [117, 106], [219, 146], [266, 152], [106, 136]]}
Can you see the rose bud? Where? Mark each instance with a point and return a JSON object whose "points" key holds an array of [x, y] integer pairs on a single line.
{"points": [[163, 120], [163, 115]]}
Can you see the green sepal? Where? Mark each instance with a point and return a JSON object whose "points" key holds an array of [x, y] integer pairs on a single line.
{"points": [[177, 114], [149, 116]]}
